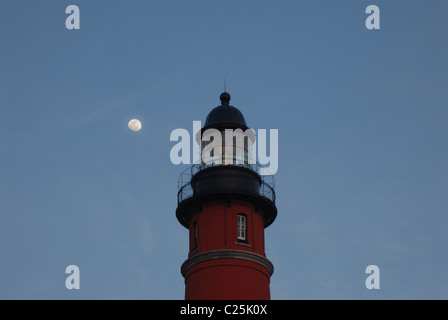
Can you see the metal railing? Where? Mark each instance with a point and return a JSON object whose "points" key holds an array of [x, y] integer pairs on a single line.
{"points": [[185, 189]]}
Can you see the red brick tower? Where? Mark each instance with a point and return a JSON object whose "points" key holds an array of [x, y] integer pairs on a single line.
{"points": [[226, 204]]}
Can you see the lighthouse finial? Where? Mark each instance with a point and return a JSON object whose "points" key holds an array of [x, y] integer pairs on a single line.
{"points": [[225, 98]]}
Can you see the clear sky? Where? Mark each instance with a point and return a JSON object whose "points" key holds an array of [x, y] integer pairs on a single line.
{"points": [[363, 136]]}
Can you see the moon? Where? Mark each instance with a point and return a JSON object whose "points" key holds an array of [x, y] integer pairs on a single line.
{"points": [[135, 125]]}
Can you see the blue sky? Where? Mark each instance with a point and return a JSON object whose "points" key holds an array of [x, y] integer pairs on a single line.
{"points": [[361, 114]]}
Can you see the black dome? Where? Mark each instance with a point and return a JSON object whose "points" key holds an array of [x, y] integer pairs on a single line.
{"points": [[225, 116]]}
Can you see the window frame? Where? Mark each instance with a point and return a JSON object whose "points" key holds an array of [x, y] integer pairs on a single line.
{"points": [[242, 228]]}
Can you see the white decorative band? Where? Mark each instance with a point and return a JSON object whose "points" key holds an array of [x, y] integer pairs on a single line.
{"points": [[227, 254]]}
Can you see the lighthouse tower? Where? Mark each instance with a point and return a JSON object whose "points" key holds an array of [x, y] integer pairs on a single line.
{"points": [[226, 204]]}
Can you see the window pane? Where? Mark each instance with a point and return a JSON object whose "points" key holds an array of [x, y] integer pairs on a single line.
{"points": [[241, 227]]}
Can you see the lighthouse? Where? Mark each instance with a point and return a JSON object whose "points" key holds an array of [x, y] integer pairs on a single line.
{"points": [[226, 204]]}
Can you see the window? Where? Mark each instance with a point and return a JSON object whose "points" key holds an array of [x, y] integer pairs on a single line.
{"points": [[242, 227]]}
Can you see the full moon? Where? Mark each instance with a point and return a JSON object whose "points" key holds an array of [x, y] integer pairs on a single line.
{"points": [[135, 125]]}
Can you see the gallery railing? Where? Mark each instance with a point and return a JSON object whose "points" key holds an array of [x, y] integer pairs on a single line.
{"points": [[185, 189]]}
